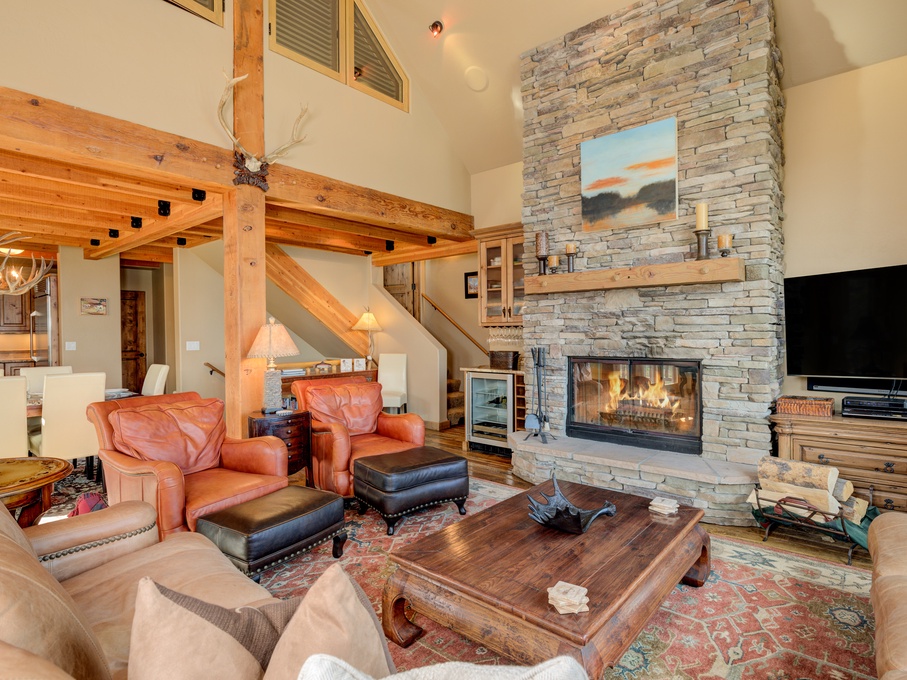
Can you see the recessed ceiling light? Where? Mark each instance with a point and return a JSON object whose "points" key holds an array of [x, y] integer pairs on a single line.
{"points": [[436, 28], [476, 78]]}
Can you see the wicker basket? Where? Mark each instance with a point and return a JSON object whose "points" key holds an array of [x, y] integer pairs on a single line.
{"points": [[805, 406], [508, 361]]}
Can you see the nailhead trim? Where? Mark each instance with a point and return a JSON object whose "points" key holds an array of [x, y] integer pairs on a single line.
{"points": [[415, 507], [97, 544], [298, 552]]}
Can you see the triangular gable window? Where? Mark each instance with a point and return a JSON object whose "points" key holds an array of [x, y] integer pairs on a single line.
{"points": [[339, 39], [212, 10]]}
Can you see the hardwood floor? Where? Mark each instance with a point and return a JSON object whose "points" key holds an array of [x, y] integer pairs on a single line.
{"points": [[495, 468]]}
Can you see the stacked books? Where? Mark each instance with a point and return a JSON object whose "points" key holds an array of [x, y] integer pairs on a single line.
{"points": [[664, 506], [568, 598]]}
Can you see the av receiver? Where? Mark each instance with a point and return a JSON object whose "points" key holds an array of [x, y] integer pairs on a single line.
{"points": [[874, 407]]}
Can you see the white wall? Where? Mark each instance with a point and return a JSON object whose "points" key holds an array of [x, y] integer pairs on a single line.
{"points": [[96, 338], [497, 196], [844, 143]]}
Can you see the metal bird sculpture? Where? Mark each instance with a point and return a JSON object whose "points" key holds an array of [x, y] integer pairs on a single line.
{"points": [[559, 513]]}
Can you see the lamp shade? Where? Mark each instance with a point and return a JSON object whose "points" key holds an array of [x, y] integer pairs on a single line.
{"points": [[272, 341], [367, 322]]}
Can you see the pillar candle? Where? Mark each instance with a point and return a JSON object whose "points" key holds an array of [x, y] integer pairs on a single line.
{"points": [[571, 249], [702, 216], [541, 244], [553, 260], [724, 241]]}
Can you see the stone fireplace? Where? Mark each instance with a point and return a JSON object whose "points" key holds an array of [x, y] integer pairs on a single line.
{"points": [[713, 65]]}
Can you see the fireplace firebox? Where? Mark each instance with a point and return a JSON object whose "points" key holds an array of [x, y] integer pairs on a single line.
{"points": [[651, 403]]}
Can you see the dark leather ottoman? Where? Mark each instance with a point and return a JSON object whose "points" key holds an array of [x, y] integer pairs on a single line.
{"points": [[395, 484], [265, 531]]}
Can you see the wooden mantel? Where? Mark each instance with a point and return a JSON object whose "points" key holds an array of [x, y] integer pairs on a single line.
{"points": [[717, 270]]}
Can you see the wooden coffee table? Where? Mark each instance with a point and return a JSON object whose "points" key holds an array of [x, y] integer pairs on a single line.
{"points": [[28, 483], [487, 576]]}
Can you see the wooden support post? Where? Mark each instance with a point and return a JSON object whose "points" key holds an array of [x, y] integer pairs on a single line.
{"points": [[244, 227]]}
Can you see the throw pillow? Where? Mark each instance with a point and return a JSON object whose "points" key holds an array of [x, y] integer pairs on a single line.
{"points": [[335, 618], [324, 667], [176, 636], [355, 405], [88, 502], [187, 433]]}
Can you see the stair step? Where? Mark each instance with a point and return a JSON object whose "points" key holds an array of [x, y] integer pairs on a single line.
{"points": [[455, 399], [456, 415], [453, 385]]}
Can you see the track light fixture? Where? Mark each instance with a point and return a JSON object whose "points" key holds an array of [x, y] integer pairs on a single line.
{"points": [[180, 241], [114, 233], [135, 222], [436, 28], [95, 241]]}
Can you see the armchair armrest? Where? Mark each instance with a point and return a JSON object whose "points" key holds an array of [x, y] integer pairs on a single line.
{"points": [[70, 546], [330, 453], [260, 455], [406, 427], [157, 482]]}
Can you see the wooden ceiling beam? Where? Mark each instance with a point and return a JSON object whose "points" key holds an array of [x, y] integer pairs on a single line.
{"points": [[94, 200], [305, 237], [22, 165], [64, 219], [308, 219], [404, 254], [296, 282], [181, 217], [55, 131], [308, 192]]}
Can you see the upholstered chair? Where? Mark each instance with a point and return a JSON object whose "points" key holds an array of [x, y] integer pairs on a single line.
{"points": [[171, 451], [347, 423]]}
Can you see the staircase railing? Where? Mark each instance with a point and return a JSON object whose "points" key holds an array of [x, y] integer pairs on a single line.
{"points": [[212, 369], [456, 325]]}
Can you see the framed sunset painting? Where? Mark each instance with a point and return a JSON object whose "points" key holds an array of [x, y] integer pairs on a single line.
{"points": [[629, 178]]}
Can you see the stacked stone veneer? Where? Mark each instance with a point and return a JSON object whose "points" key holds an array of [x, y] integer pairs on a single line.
{"points": [[713, 64]]}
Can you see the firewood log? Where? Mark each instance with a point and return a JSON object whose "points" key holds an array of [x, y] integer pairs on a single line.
{"points": [[767, 500], [855, 508], [817, 497], [808, 475], [843, 490]]}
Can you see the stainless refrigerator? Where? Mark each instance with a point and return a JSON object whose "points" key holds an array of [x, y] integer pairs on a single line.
{"points": [[43, 341], [489, 409]]}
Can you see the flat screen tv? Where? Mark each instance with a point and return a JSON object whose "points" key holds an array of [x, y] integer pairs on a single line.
{"points": [[848, 324]]}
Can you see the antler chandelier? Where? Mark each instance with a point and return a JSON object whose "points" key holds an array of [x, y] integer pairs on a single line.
{"points": [[13, 279]]}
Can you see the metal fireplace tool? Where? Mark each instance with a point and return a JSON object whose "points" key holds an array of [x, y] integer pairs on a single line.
{"points": [[537, 423]]}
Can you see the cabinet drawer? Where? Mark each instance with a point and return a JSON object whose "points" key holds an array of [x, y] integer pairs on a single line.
{"points": [[883, 500], [868, 458], [285, 431]]}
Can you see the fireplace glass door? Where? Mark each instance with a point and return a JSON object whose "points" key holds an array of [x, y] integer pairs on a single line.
{"points": [[651, 403]]}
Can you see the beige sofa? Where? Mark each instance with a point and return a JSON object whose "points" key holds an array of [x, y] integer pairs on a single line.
{"points": [[888, 547], [99, 596]]}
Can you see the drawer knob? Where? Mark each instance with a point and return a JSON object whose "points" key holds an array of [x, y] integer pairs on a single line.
{"points": [[889, 504], [825, 460]]}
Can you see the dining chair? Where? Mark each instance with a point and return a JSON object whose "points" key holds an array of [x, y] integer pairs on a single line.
{"points": [[65, 430], [13, 419], [35, 376], [392, 378], [155, 380]]}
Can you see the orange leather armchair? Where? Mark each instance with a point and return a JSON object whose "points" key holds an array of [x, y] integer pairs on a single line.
{"points": [[347, 424], [171, 451]]}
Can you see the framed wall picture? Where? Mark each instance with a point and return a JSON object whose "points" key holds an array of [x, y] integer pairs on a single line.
{"points": [[93, 306], [358, 364], [471, 284], [346, 365]]}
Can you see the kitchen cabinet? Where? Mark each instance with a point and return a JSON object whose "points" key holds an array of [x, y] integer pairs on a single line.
{"points": [[14, 313], [501, 276]]}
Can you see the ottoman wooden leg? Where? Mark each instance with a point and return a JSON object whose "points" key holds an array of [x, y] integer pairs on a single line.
{"points": [[339, 540], [461, 504], [391, 521]]}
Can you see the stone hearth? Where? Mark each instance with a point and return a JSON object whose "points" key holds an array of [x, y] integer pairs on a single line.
{"points": [[718, 487]]}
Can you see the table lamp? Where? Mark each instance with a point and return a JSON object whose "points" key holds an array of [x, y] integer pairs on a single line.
{"points": [[272, 341], [368, 323]]}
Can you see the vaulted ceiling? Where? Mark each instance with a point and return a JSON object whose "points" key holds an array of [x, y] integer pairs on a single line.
{"points": [[65, 181]]}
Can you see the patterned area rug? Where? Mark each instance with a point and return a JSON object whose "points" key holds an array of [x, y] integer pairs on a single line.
{"points": [[763, 613]]}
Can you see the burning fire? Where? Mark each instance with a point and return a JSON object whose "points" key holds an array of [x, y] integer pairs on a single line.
{"points": [[653, 396]]}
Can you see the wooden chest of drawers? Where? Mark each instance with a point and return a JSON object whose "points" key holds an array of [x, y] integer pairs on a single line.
{"points": [[869, 453], [295, 430]]}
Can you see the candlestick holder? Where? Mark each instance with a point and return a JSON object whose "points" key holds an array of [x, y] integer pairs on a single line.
{"points": [[552, 270], [543, 264], [724, 251], [570, 258], [702, 244]]}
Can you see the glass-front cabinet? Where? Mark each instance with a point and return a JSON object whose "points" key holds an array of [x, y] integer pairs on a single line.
{"points": [[489, 408], [501, 278]]}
